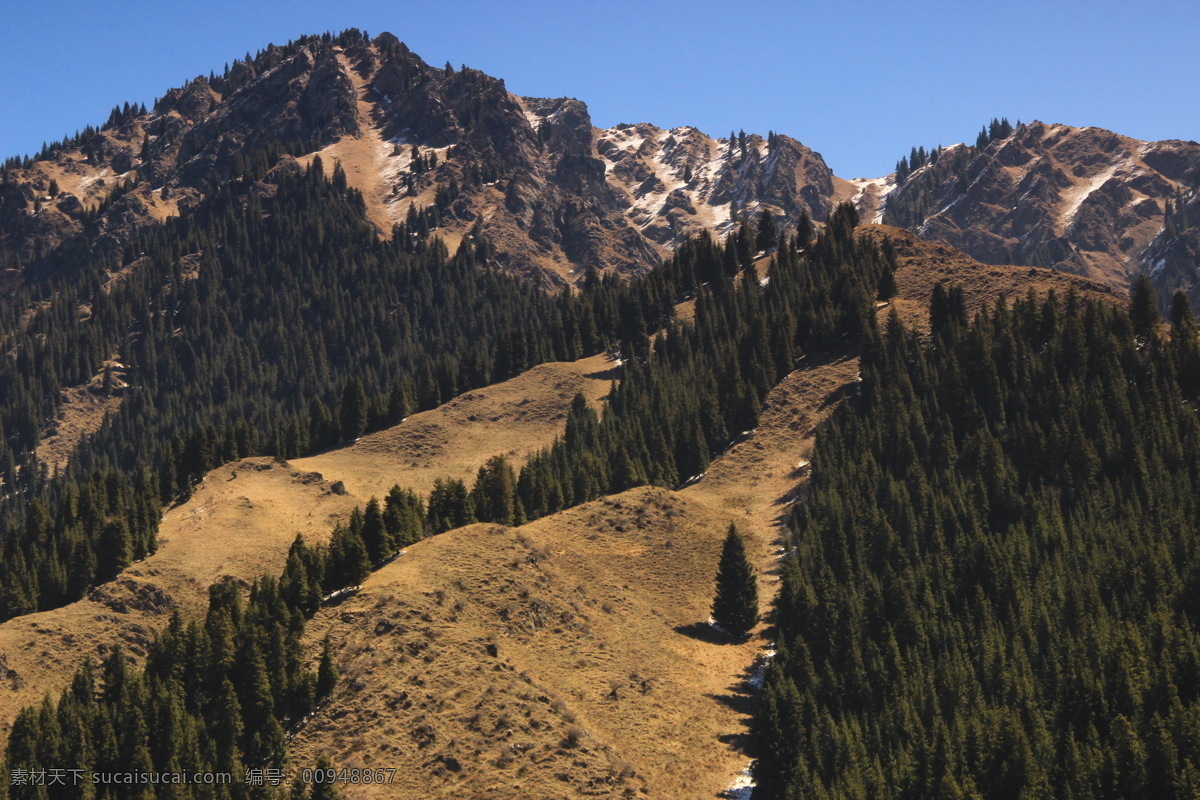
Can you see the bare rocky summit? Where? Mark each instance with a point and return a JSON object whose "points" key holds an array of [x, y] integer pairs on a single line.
{"points": [[1081, 200], [557, 197]]}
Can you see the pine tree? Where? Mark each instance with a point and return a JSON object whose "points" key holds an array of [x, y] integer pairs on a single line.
{"points": [[735, 606], [353, 410], [766, 231], [494, 495], [114, 549], [1143, 307], [1185, 345], [349, 561], [327, 671], [886, 288], [374, 532], [327, 789]]}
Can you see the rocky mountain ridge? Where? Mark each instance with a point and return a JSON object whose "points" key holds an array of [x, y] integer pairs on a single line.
{"points": [[453, 151], [555, 195], [1081, 200]]}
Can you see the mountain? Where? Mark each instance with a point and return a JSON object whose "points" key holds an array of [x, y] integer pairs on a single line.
{"points": [[1081, 200], [446, 149], [239, 319], [559, 658], [554, 194]]}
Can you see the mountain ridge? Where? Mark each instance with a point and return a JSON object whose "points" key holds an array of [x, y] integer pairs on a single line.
{"points": [[1081, 200], [558, 195], [454, 152]]}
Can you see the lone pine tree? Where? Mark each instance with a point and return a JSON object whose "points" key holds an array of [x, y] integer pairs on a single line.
{"points": [[735, 607], [327, 671]]}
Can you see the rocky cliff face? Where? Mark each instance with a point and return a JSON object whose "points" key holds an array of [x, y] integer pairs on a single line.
{"points": [[144, 168], [1082, 200], [1172, 259], [677, 182], [553, 194]]}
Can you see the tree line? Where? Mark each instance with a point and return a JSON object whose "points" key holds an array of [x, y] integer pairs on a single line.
{"points": [[991, 590], [262, 324], [692, 388], [217, 695]]}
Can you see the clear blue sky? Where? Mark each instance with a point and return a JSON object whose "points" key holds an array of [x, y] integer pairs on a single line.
{"points": [[860, 82]]}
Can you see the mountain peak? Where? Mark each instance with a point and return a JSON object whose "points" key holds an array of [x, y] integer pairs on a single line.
{"points": [[557, 196], [1082, 200]]}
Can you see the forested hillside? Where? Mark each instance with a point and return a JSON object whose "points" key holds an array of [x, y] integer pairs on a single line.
{"points": [[266, 323], [989, 587], [657, 428], [991, 590]]}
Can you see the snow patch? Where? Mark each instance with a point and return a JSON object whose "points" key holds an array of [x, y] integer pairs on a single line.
{"points": [[759, 674], [665, 154], [872, 195], [532, 117], [86, 182], [1075, 196], [742, 787], [650, 205]]}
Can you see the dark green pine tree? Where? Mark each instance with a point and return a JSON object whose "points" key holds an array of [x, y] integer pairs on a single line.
{"points": [[494, 495], [114, 548], [1185, 345], [326, 790], [767, 232], [349, 561], [352, 412], [1143, 307], [735, 607], [374, 532], [327, 672], [886, 288]]}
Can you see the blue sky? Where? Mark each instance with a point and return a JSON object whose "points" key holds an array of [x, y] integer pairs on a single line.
{"points": [[860, 82]]}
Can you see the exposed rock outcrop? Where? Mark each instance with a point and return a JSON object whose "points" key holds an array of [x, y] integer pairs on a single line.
{"points": [[1081, 200]]}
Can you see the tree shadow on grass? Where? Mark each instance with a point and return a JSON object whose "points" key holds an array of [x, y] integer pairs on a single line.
{"points": [[706, 632], [611, 374]]}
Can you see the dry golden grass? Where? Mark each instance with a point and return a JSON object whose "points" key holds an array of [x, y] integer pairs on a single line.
{"points": [[243, 517], [79, 416], [81, 413], [923, 265], [601, 680], [240, 522], [612, 595], [515, 419]]}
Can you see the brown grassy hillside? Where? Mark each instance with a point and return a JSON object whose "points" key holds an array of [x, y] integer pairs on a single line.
{"points": [[606, 681], [923, 265], [566, 658], [243, 517], [240, 522], [514, 418]]}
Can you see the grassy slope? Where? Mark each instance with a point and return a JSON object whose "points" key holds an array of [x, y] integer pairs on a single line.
{"points": [[514, 418], [598, 618], [604, 682], [243, 517], [925, 264]]}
